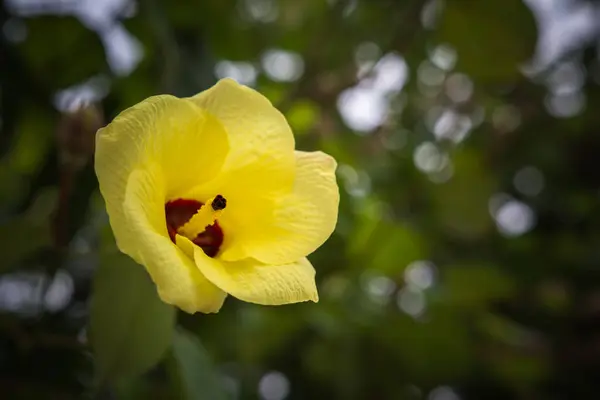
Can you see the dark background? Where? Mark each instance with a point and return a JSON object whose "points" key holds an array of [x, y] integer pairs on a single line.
{"points": [[466, 260]]}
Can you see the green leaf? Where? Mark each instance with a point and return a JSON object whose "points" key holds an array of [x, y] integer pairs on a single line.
{"points": [[31, 142], [192, 371], [474, 285], [302, 116], [438, 348], [383, 245], [504, 330], [130, 327], [492, 39], [518, 368], [461, 204], [25, 234]]}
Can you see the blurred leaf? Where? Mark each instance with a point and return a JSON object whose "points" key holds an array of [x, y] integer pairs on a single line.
{"points": [[553, 296], [462, 202], [228, 35], [33, 138], [274, 91], [142, 387], [439, 346], [24, 234], [395, 249], [473, 285], [76, 52], [130, 327], [302, 116], [12, 185], [502, 312], [504, 330], [28, 150], [192, 371], [492, 38], [284, 325], [384, 246], [518, 368]]}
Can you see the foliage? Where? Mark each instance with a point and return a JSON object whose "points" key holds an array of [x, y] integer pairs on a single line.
{"points": [[464, 264]]}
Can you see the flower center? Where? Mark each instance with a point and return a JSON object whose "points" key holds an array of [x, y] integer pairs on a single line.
{"points": [[197, 222]]}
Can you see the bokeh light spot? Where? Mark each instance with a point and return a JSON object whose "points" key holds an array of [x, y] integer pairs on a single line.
{"points": [[567, 78], [59, 293], [259, 10], [430, 74], [14, 30], [282, 66], [412, 301], [420, 274], [273, 386], [506, 118], [459, 88], [243, 72], [379, 288], [565, 105], [443, 56], [362, 109], [452, 126], [514, 218], [356, 183], [428, 158], [529, 181], [443, 393]]}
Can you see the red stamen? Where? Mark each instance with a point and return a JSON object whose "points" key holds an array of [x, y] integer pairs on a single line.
{"points": [[180, 211]]}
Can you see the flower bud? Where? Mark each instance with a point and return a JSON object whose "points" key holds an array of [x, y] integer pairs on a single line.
{"points": [[76, 135]]}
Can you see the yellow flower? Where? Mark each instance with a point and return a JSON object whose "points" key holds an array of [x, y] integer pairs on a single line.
{"points": [[210, 196]]}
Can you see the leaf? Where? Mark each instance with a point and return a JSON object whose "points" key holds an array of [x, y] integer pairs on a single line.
{"points": [[192, 371], [76, 52], [492, 39], [31, 142], [392, 248], [302, 116], [130, 327], [518, 368], [461, 204], [383, 245], [474, 285], [438, 347], [25, 234]]}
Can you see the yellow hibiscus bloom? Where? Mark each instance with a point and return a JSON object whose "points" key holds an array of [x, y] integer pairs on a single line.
{"points": [[210, 196]]}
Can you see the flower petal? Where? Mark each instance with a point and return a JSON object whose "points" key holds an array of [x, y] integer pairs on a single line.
{"points": [[250, 202], [178, 280], [186, 145], [260, 166], [254, 282], [256, 129], [301, 221]]}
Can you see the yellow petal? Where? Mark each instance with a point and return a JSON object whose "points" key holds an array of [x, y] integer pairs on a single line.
{"points": [[301, 221], [256, 129], [178, 280], [251, 281], [260, 166], [251, 197], [186, 146]]}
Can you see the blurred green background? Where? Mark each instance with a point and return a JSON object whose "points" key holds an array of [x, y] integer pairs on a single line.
{"points": [[466, 261]]}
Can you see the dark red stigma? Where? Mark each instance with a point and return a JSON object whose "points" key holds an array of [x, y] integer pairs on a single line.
{"points": [[180, 211]]}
